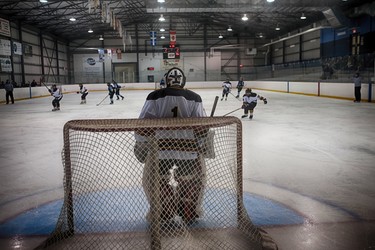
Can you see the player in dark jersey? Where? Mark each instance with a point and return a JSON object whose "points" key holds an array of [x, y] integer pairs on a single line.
{"points": [[250, 102], [117, 88], [240, 85], [180, 170], [111, 92]]}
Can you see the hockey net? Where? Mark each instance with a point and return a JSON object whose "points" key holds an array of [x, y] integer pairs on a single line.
{"points": [[154, 184]]}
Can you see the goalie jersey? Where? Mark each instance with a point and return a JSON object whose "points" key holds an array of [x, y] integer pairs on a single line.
{"points": [[172, 102]]}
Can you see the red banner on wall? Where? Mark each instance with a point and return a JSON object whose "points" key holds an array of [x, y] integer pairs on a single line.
{"points": [[172, 36]]}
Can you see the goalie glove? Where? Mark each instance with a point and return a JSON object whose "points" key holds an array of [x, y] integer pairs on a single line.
{"points": [[265, 101]]}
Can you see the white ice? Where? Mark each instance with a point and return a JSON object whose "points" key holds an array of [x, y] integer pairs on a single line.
{"points": [[315, 155]]}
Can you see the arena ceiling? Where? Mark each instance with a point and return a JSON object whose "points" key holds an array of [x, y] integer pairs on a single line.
{"points": [[184, 15]]}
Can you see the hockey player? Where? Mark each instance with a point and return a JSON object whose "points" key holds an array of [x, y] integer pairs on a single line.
{"points": [[117, 90], [84, 92], [227, 86], [240, 85], [250, 102], [182, 171], [111, 92], [57, 96], [162, 83]]}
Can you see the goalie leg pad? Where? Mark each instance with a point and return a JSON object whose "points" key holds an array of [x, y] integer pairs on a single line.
{"points": [[191, 176]]}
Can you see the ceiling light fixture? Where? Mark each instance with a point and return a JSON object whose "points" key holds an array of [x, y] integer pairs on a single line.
{"points": [[72, 19], [162, 37], [229, 28], [277, 27], [43, 1], [101, 38], [221, 36], [303, 17], [161, 1], [161, 18], [162, 29], [245, 18], [270, 1], [90, 31]]}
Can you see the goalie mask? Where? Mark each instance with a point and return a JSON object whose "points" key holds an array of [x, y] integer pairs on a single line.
{"points": [[175, 77]]}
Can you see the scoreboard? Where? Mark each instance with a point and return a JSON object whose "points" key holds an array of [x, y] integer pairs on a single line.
{"points": [[171, 52]]}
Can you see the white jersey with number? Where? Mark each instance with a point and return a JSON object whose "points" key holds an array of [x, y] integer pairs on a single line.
{"points": [[252, 97], [168, 103], [56, 93]]}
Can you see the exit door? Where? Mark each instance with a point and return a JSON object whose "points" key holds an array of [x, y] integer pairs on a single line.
{"points": [[124, 72]]}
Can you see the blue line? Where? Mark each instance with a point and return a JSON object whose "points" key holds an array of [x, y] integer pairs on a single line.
{"points": [[329, 203], [30, 195]]}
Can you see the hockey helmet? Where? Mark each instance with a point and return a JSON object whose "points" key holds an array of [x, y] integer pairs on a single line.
{"points": [[175, 77], [248, 91]]}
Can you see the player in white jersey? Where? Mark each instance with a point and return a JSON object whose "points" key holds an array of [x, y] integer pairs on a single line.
{"points": [[227, 86], [57, 96], [179, 169], [250, 102], [84, 92]]}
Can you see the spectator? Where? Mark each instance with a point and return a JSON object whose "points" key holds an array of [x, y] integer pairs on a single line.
{"points": [[9, 92], [357, 87], [33, 83]]}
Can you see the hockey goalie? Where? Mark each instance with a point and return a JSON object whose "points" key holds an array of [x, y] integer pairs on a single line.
{"points": [[180, 163]]}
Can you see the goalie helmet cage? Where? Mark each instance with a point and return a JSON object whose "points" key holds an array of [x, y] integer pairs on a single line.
{"points": [[120, 192]]}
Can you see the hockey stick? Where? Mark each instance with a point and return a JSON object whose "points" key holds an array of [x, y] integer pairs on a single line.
{"points": [[235, 96], [46, 86], [232, 111], [102, 100], [214, 106]]}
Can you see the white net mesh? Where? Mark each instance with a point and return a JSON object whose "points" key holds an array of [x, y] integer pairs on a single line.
{"points": [[154, 184]]}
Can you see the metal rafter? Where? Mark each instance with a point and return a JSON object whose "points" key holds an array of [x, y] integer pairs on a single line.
{"points": [[187, 16]]}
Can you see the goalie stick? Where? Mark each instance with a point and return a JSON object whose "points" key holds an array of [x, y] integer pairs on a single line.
{"points": [[214, 106], [102, 100]]}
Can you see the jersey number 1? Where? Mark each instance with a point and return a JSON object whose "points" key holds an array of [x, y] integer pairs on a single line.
{"points": [[174, 111]]}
